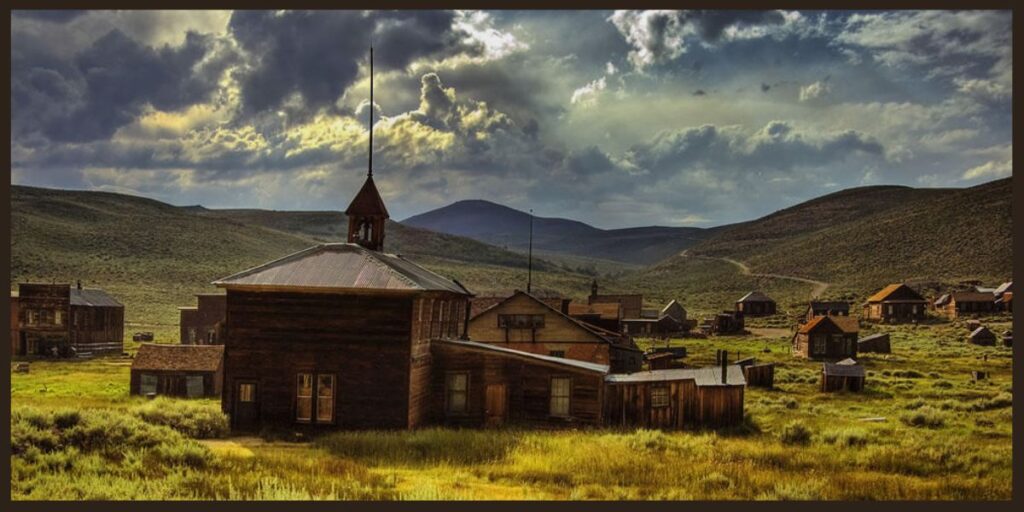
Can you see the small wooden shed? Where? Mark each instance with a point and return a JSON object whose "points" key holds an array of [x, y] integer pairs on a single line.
{"points": [[878, 343], [982, 336], [760, 375], [676, 398], [845, 375], [756, 303], [190, 371]]}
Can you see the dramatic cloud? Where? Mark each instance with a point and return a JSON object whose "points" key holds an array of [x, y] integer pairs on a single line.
{"points": [[615, 118]]}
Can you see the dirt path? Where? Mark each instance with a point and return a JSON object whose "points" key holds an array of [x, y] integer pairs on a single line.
{"points": [[818, 289]]}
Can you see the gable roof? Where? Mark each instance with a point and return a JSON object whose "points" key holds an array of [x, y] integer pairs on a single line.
{"points": [[981, 331], [367, 201], [873, 337], [593, 330], [890, 293], [92, 297], [845, 324], [709, 376], [671, 304], [1005, 287], [830, 304], [843, 370], [187, 358], [972, 297], [755, 296], [342, 266], [561, 361]]}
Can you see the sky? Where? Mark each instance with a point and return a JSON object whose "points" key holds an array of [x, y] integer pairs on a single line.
{"points": [[615, 118]]}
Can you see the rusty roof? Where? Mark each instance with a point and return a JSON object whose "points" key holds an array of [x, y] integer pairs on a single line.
{"points": [[605, 310], [184, 358], [343, 266], [884, 293], [92, 297], [367, 201], [844, 323], [709, 376]]}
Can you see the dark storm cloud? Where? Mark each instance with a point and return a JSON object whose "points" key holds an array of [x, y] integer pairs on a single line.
{"points": [[316, 56], [108, 84], [56, 15]]}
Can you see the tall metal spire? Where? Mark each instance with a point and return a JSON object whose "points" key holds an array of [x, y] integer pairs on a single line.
{"points": [[370, 167], [529, 271]]}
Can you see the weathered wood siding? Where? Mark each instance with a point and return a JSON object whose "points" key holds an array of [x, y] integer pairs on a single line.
{"points": [[720, 406], [760, 375], [629, 405], [97, 329], [836, 383]]}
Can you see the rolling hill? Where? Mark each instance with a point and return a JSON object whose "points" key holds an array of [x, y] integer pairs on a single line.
{"points": [[155, 256], [507, 227]]}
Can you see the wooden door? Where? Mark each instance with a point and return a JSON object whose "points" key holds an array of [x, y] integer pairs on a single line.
{"points": [[496, 404], [246, 412]]}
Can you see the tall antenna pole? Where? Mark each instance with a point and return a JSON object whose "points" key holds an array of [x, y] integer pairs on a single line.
{"points": [[370, 170], [529, 268]]}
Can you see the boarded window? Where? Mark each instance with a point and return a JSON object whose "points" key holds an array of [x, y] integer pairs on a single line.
{"points": [[194, 386], [147, 384], [304, 397], [659, 397], [456, 391], [561, 388], [819, 344], [247, 392], [324, 398]]}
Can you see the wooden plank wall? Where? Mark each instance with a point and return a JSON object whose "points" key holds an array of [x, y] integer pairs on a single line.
{"points": [[760, 375], [720, 406]]}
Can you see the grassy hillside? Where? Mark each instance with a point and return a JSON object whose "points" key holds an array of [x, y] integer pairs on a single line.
{"points": [[153, 256]]}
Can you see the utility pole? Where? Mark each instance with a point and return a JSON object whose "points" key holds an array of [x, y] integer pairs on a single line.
{"points": [[529, 267]]}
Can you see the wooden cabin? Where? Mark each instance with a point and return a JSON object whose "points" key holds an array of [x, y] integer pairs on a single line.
{"points": [[58, 319], [189, 371], [982, 336], [203, 324], [652, 327], [676, 398], [664, 359], [524, 322], [958, 304], [607, 315], [842, 376], [877, 343], [1005, 302], [759, 375], [827, 308], [344, 323], [894, 304], [15, 332], [726, 322], [483, 384], [632, 304], [674, 310], [827, 337], [756, 303]]}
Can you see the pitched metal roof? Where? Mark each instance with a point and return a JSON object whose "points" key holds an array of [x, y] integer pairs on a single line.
{"points": [[186, 358], [873, 337], [92, 297], [343, 266], [981, 331], [367, 201], [1005, 287], [843, 370], [709, 376], [884, 293], [605, 310], [583, 365], [755, 296], [843, 323]]}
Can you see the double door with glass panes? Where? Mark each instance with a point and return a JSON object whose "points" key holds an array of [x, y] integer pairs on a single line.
{"points": [[314, 398]]}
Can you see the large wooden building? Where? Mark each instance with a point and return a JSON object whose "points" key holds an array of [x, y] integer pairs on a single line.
{"points": [[827, 337], [756, 303], [607, 316], [203, 324], [524, 322], [190, 371], [827, 308], [966, 303], [632, 303], [894, 304], [65, 320]]}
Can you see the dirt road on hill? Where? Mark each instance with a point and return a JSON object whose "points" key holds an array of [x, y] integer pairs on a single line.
{"points": [[817, 290]]}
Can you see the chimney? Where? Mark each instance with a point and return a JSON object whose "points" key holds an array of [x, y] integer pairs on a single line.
{"points": [[79, 284], [725, 368]]}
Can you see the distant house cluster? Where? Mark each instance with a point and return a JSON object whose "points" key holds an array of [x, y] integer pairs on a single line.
{"points": [[65, 320]]}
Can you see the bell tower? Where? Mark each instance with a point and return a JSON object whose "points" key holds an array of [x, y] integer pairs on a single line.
{"points": [[367, 214]]}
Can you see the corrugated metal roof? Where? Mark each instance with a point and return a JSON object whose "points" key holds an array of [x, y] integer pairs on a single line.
{"points": [[584, 365], [981, 331], [873, 337], [343, 266], [755, 296], [186, 358], [92, 297], [710, 376], [1004, 287]]}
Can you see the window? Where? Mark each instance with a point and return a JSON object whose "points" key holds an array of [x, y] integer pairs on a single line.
{"points": [[456, 391], [32, 317], [147, 384], [324, 398], [659, 397], [521, 321], [193, 386], [304, 397], [819, 344], [211, 336], [561, 388], [557, 353], [247, 392], [192, 335], [58, 317]]}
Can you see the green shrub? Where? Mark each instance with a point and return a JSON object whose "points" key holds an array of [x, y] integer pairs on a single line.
{"points": [[926, 416], [66, 419], [795, 433], [715, 482], [647, 440], [198, 420], [849, 437], [908, 374]]}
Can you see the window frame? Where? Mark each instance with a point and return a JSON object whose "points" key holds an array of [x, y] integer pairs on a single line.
{"points": [[300, 397], [658, 404], [320, 397], [819, 344], [246, 397], [142, 383], [189, 379], [448, 391], [567, 397]]}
